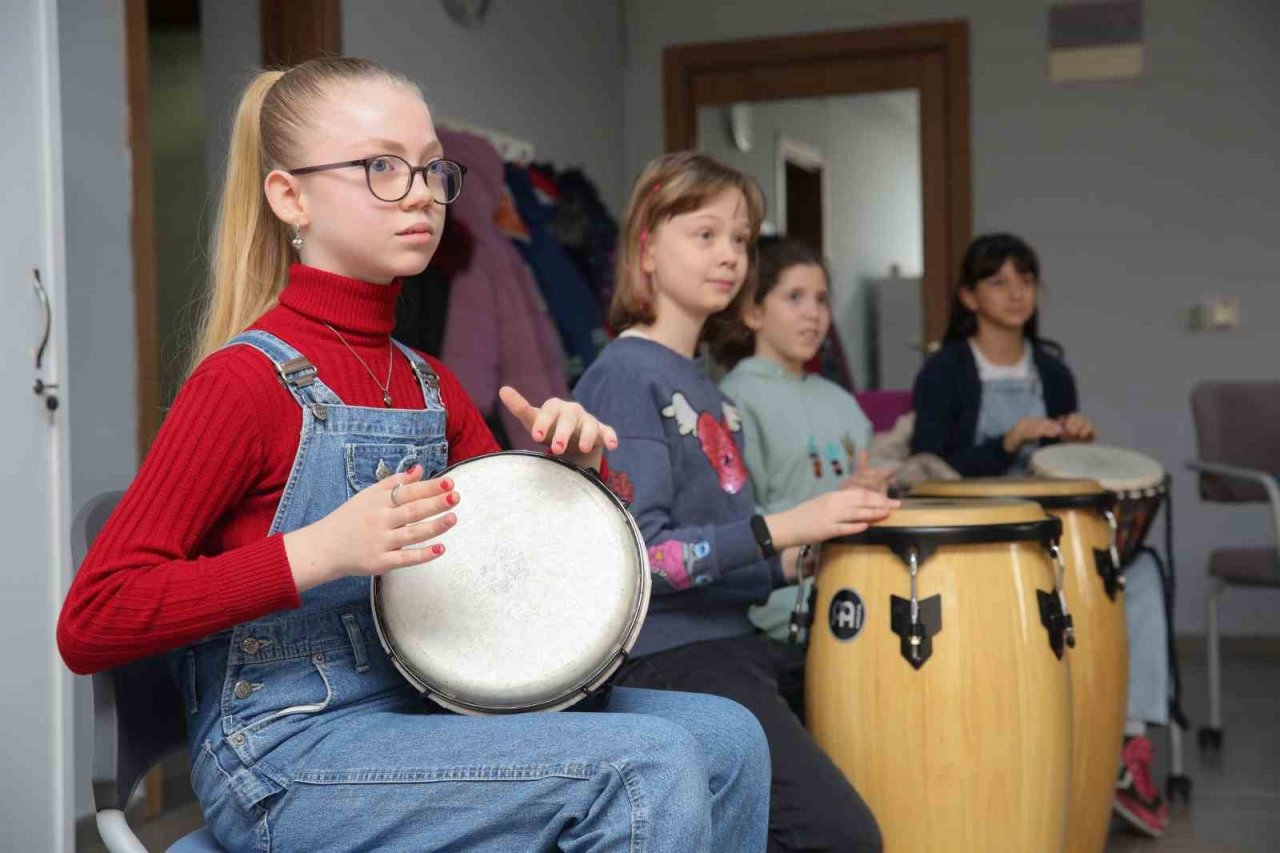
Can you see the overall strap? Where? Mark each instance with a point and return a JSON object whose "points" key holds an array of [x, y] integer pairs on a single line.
{"points": [[427, 377], [297, 374]]}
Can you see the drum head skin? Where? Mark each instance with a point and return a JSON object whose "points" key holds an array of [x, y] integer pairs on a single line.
{"points": [[543, 584], [1116, 468], [960, 512], [1049, 493]]}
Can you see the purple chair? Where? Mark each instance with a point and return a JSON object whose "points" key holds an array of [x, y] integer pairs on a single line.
{"points": [[1239, 446], [884, 407]]}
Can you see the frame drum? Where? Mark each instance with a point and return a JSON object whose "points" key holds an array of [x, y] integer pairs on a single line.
{"points": [[537, 599]]}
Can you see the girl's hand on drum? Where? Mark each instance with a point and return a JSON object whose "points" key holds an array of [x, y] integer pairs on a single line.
{"points": [[1076, 427], [564, 427], [875, 479], [843, 512], [367, 535], [1028, 430]]}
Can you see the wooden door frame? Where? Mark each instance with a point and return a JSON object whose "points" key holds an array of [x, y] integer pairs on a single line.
{"points": [[792, 66], [142, 233], [292, 30]]}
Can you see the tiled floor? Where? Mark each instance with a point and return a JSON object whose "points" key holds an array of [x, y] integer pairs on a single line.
{"points": [[1235, 796]]}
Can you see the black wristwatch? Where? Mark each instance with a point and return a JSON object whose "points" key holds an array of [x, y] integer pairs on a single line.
{"points": [[761, 529]]}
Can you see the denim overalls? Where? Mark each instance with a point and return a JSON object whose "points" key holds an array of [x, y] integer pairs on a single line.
{"points": [[1004, 403], [305, 737]]}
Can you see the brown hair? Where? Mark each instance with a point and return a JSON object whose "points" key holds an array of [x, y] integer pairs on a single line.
{"points": [[250, 251], [731, 340], [669, 186]]}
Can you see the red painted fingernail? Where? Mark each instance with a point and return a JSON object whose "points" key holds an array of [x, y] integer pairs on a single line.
{"points": [[437, 550], [446, 485], [452, 500], [558, 446]]}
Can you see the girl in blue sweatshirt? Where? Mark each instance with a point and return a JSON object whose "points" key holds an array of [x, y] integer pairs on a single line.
{"points": [[684, 262]]}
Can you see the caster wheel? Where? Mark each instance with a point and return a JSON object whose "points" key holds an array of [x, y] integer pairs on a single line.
{"points": [[1209, 738], [1178, 788]]}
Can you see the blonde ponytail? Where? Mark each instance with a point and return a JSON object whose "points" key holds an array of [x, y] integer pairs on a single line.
{"points": [[250, 250]]}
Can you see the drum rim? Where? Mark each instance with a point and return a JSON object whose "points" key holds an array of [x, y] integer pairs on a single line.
{"points": [[1043, 530], [585, 686], [1103, 499]]}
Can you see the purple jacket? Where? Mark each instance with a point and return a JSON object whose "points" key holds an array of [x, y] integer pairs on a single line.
{"points": [[498, 331]]}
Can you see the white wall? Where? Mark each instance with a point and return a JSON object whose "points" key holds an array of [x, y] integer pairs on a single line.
{"points": [[101, 368], [1140, 196]]}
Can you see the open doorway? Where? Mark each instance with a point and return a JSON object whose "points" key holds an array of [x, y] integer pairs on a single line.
{"points": [[886, 110], [802, 196]]}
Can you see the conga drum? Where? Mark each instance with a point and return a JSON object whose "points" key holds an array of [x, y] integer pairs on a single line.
{"points": [[1100, 660], [1140, 484], [936, 676], [537, 599]]}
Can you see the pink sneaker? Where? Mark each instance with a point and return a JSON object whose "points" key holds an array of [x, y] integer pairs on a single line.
{"points": [[1137, 798]]}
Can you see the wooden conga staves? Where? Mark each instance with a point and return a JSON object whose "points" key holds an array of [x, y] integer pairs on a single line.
{"points": [[937, 678], [1100, 660]]}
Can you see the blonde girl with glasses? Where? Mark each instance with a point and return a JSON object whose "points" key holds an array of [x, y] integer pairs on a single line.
{"points": [[298, 460]]}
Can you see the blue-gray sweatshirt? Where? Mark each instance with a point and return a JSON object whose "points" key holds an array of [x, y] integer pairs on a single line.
{"points": [[680, 466]]}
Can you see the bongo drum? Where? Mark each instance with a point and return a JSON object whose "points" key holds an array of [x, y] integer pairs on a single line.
{"points": [[1100, 660], [1138, 481], [538, 597], [936, 677]]}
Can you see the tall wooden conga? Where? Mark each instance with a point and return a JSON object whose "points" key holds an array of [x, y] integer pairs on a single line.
{"points": [[1100, 659], [937, 678]]}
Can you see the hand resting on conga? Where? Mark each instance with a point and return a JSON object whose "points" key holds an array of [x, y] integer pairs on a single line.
{"points": [[844, 512]]}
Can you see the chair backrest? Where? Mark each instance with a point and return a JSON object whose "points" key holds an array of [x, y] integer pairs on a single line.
{"points": [[138, 715], [1237, 423], [883, 408]]}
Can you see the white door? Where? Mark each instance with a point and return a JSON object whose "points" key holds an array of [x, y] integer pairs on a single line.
{"points": [[35, 779]]}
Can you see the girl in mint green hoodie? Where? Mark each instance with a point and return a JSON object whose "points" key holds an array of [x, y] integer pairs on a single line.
{"points": [[804, 435]]}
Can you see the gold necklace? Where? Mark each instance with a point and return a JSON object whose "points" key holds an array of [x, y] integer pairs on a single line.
{"points": [[384, 387]]}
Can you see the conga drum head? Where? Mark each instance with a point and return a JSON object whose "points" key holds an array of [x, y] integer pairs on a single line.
{"points": [[1116, 468], [924, 524], [539, 595], [1076, 493]]}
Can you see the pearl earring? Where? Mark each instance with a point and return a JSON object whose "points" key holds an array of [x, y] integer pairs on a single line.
{"points": [[297, 237]]}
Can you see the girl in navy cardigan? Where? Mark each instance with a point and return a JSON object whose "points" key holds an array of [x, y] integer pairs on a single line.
{"points": [[996, 390], [984, 402]]}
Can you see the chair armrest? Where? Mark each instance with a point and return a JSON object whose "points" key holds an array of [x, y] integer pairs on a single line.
{"points": [[116, 834], [1270, 482]]}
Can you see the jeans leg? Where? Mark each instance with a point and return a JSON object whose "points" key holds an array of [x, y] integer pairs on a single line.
{"points": [[812, 806], [737, 758], [1148, 650], [649, 774]]}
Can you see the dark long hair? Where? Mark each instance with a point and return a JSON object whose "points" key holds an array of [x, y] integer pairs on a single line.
{"points": [[983, 259], [730, 339]]}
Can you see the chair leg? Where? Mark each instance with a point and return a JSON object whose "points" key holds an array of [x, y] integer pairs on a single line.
{"points": [[1210, 736], [1178, 785], [153, 787]]}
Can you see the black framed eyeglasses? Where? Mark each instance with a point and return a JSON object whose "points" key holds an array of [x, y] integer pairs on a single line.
{"points": [[390, 177]]}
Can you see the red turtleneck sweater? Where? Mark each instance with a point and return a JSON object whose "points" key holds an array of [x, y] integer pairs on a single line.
{"points": [[187, 552]]}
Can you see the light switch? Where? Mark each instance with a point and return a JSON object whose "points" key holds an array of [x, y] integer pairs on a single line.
{"points": [[1216, 313]]}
